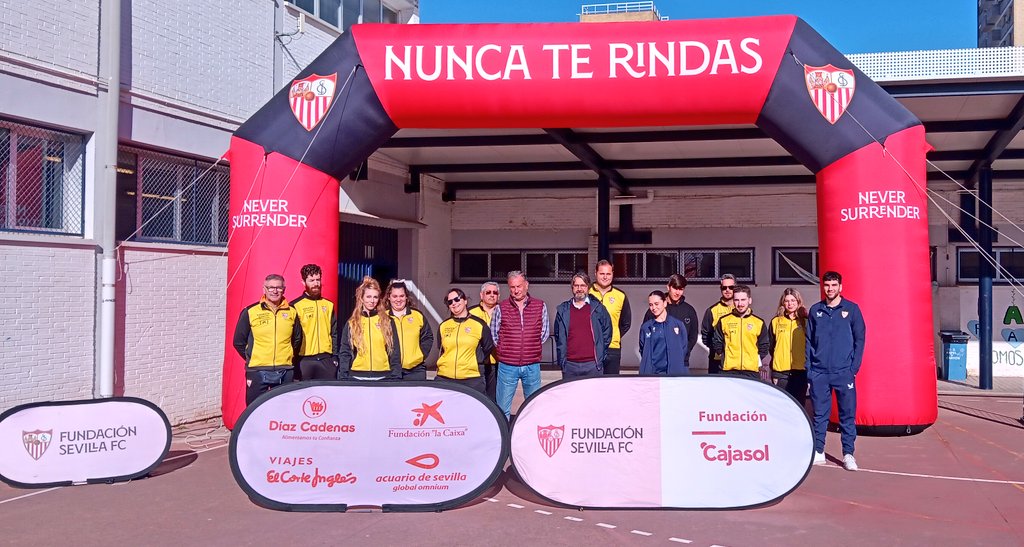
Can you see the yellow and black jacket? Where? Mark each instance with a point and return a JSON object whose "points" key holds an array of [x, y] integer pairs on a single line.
{"points": [[741, 340], [617, 304], [787, 341], [465, 343], [267, 338], [319, 322], [414, 336], [707, 325], [374, 361], [478, 311]]}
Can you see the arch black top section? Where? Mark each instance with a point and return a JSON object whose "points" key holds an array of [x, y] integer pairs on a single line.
{"points": [[354, 126], [793, 120], [356, 123]]}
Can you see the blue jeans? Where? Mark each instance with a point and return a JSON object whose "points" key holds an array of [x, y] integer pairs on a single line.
{"points": [[508, 379]]}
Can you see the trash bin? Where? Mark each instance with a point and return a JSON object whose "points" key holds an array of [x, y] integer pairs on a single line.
{"points": [[954, 354]]}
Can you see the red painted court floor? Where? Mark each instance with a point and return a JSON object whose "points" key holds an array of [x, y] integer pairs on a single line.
{"points": [[960, 482]]}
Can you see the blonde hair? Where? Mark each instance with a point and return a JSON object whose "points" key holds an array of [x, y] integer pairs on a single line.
{"points": [[355, 325], [801, 311]]}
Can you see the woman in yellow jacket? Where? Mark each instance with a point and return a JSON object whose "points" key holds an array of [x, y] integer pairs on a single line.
{"points": [[414, 334], [787, 341], [368, 348], [465, 342]]}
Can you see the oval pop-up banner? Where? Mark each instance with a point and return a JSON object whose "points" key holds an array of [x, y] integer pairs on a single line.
{"points": [[72, 442], [408, 446], [672, 442]]}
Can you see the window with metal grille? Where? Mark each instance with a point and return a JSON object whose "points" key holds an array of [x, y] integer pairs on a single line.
{"points": [[1009, 259], [538, 265], [169, 198], [708, 265], [41, 180]]}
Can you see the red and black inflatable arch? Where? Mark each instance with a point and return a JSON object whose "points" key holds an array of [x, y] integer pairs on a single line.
{"points": [[866, 150]]}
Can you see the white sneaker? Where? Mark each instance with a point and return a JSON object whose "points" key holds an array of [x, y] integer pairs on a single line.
{"points": [[849, 462], [819, 458]]}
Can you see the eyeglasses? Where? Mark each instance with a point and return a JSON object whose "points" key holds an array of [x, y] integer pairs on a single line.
{"points": [[453, 300], [490, 292], [274, 289], [728, 287]]}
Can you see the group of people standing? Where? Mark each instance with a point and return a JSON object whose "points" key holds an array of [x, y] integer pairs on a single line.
{"points": [[493, 346]]}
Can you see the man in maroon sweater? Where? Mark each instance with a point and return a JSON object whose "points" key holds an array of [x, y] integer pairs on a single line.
{"points": [[520, 326], [583, 331]]}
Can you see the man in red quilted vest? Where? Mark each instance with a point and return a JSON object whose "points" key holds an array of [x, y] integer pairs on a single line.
{"points": [[520, 326]]}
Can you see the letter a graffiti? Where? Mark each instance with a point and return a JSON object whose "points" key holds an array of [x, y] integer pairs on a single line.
{"points": [[1013, 314]]}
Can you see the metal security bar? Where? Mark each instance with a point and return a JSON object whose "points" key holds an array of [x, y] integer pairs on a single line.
{"points": [[621, 7], [41, 180], [172, 199]]}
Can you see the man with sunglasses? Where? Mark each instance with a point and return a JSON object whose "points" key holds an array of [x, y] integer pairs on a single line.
{"points": [[520, 326], [712, 316], [489, 293], [268, 336]]}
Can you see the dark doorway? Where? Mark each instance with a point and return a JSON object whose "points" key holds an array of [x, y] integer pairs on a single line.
{"points": [[364, 250]]}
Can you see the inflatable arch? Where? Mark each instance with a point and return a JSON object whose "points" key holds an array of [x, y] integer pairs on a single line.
{"points": [[866, 150]]}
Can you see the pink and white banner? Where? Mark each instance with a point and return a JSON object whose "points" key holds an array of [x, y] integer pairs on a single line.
{"points": [[402, 446], [678, 442], [73, 442]]}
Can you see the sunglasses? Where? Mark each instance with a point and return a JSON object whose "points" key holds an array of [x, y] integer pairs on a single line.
{"points": [[451, 301], [728, 287], [490, 292]]}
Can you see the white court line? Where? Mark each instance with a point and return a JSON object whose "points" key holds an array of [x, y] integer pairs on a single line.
{"points": [[680, 540], [515, 505], [608, 526], [925, 476], [541, 512], [574, 519], [30, 494], [640, 533]]}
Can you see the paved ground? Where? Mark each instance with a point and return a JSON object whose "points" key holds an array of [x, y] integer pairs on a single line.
{"points": [[960, 482]]}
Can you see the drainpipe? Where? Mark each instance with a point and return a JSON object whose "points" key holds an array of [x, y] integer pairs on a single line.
{"points": [[106, 188], [985, 237]]}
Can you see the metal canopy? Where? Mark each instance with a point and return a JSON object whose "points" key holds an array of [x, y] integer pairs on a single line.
{"points": [[971, 124]]}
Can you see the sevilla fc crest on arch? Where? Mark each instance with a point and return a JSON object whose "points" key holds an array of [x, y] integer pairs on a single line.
{"points": [[831, 89], [550, 438], [311, 98]]}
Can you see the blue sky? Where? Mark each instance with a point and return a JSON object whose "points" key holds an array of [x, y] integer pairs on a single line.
{"points": [[853, 26]]}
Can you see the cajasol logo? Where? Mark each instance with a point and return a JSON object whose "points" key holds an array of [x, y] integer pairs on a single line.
{"points": [[730, 455]]}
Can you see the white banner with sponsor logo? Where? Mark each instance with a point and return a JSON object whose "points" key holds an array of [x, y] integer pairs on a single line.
{"points": [[103, 440], [406, 446], [681, 442]]}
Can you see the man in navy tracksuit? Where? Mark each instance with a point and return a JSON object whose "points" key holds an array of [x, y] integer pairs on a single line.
{"points": [[835, 349]]}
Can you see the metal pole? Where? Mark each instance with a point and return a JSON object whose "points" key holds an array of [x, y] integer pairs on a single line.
{"points": [[985, 275], [106, 188], [604, 204]]}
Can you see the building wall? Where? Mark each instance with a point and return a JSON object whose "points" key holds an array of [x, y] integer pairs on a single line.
{"points": [[46, 343], [173, 320], [29, 30], [307, 46], [216, 57]]}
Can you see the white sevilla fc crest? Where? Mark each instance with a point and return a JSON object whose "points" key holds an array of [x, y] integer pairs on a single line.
{"points": [[831, 89], [311, 97]]}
